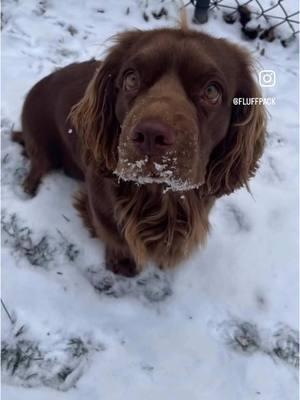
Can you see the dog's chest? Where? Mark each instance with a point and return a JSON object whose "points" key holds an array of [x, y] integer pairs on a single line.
{"points": [[162, 227]]}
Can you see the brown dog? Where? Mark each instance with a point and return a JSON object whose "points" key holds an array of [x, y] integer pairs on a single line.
{"points": [[154, 134]]}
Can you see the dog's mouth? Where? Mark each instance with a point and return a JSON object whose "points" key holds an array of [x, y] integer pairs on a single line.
{"points": [[148, 171]]}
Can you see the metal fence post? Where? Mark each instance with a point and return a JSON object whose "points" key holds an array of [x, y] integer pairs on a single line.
{"points": [[201, 11]]}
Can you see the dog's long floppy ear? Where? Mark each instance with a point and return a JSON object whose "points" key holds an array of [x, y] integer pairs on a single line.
{"points": [[94, 116], [235, 160]]}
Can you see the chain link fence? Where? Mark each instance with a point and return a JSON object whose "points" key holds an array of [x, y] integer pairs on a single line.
{"points": [[277, 20]]}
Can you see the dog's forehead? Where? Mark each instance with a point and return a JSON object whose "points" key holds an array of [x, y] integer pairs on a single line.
{"points": [[173, 44], [191, 50]]}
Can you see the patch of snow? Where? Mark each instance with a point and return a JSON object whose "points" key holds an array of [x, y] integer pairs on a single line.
{"points": [[138, 163], [165, 178], [165, 174]]}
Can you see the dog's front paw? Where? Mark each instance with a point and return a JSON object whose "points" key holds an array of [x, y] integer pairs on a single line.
{"points": [[30, 186], [120, 264]]}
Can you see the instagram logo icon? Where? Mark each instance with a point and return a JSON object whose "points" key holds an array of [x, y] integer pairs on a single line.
{"points": [[267, 78]]}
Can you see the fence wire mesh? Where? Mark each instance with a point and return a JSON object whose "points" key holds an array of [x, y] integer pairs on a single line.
{"points": [[277, 19]]}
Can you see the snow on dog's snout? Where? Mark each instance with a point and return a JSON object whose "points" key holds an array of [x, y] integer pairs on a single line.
{"points": [[147, 171]]}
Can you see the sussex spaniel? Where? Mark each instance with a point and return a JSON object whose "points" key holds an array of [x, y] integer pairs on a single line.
{"points": [[153, 133]]}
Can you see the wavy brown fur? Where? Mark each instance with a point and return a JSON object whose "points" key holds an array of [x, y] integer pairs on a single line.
{"points": [[237, 159], [85, 114], [162, 227]]}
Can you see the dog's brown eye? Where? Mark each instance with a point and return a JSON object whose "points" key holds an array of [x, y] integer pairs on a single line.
{"points": [[131, 81], [212, 93]]}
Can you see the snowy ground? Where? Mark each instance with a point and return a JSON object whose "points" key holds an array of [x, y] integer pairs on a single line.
{"points": [[223, 326]]}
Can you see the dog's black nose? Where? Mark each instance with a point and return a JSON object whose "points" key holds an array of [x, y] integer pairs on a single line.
{"points": [[153, 137]]}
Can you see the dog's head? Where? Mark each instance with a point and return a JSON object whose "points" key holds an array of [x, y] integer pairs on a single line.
{"points": [[160, 109]]}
